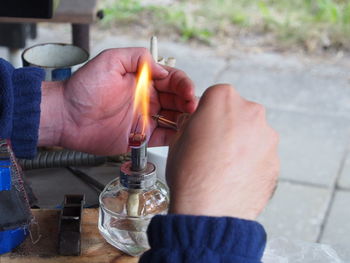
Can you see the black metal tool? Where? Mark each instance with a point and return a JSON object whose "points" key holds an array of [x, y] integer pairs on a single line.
{"points": [[69, 240], [92, 182]]}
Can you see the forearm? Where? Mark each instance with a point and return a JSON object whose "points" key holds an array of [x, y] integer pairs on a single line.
{"points": [[52, 111]]}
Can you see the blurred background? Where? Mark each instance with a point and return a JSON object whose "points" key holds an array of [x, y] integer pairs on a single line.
{"points": [[309, 25], [291, 56]]}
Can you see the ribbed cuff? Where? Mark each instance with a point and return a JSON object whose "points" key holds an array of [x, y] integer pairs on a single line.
{"points": [[181, 238], [6, 99], [26, 111]]}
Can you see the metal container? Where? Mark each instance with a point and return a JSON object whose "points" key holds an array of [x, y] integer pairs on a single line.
{"points": [[127, 205], [57, 59]]}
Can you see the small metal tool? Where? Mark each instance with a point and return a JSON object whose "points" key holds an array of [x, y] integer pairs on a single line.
{"points": [[165, 122]]}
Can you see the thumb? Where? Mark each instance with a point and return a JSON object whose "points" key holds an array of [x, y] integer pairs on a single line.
{"points": [[158, 71]]}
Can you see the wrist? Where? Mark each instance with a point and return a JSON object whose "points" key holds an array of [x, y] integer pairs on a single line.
{"points": [[192, 205], [52, 111], [187, 204]]}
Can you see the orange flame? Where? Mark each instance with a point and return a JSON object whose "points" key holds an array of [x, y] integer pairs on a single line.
{"points": [[142, 96]]}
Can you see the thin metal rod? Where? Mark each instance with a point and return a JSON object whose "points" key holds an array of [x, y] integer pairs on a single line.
{"points": [[137, 124], [165, 122]]}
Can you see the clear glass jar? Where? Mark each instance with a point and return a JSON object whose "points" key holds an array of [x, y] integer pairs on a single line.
{"points": [[126, 209]]}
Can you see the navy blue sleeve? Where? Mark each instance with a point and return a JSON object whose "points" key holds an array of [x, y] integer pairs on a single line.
{"points": [[192, 239], [20, 97]]}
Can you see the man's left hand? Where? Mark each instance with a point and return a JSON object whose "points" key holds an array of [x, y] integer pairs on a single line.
{"points": [[93, 110]]}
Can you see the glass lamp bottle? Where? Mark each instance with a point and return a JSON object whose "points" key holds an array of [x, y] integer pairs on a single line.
{"points": [[127, 205]]}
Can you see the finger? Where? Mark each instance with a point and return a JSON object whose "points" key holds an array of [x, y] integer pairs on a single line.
{"points": [[191, 106], [182, 120], [165, 136], [177, 82], [157, 71], [162, 137], [219, 99], [170, 101], [179, 118], [170, 115]]}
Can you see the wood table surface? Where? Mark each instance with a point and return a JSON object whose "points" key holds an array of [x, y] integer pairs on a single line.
{"points": [[94, 248]]}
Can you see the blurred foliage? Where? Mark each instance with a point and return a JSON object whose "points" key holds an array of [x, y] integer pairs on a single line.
{"points": [[309, 23], [122, 10]]}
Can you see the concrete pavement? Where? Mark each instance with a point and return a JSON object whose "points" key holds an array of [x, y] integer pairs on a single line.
{"points": [[308, 103]]}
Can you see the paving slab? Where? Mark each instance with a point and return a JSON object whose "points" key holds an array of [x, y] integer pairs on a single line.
{"points": [[310, 108], [295, 212], [344, 179], [337, 229], [280, 81], [202, 66], [311, 147]]}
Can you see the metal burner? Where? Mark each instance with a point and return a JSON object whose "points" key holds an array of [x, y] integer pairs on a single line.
{"points": [[138, 147]]}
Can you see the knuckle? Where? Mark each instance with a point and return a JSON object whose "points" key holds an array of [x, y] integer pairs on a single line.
{"points": [[143, 50], [255, 112], [221, 92], [179, 74], [179, 78], [258, 110], [107, 52]]}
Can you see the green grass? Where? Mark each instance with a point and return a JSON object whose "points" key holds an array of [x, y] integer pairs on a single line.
{"points": [[307, 23]]}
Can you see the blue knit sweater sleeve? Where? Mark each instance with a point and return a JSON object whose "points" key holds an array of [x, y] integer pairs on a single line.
{"points": [[20, 97], [192, 239]]}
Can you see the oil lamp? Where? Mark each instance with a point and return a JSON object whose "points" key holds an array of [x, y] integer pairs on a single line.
{"points": [[128, 203]]}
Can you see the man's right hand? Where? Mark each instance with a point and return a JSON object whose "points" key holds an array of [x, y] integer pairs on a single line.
{"points": [[225, 161]]}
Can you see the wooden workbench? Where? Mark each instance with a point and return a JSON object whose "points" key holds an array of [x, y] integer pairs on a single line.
{"points": [[94, 248]]}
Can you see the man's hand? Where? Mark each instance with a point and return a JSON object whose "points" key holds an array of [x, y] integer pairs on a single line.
{"points": [[93, 110], [224, 163]]}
